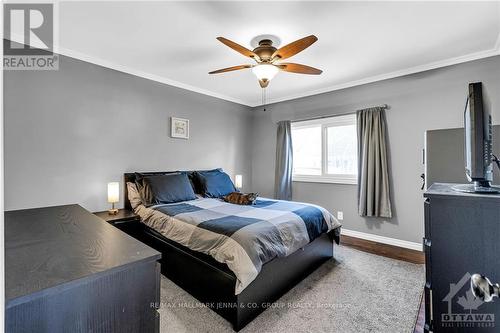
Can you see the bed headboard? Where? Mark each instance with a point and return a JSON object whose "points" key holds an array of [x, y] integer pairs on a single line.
{"points": [[130, 177]]}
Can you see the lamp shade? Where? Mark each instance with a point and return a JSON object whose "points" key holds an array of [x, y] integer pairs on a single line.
{"points": [[265, 71], [113, 192], [238, 181]]}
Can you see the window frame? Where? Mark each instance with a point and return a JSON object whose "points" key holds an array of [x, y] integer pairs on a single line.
{"points": [[325, 177]]}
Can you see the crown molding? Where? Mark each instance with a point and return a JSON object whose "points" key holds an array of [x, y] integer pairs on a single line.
{"points": [[133, 71], [153, 77], [495, 51], [422, 68], [408, 71]]}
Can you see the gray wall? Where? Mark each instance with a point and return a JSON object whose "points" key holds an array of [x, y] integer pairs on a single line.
{"points": [[430, 100], [444, 156], [70, 132]]}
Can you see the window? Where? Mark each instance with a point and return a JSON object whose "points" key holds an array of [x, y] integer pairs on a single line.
{"points": [[325, 150]]}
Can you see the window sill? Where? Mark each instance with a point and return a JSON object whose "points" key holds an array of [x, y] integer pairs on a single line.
{"points": [[325, 180]]}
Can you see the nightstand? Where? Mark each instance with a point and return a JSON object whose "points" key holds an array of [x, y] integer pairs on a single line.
{"points": [[125, 220]]}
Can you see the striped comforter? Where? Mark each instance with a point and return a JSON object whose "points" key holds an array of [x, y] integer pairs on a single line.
{"points": [[243, 237]]}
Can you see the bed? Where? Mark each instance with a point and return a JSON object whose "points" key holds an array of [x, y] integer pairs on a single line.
{"points": [[238, 296]]}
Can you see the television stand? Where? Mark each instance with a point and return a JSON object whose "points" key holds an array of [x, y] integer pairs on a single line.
{"points": [[477, 188]]}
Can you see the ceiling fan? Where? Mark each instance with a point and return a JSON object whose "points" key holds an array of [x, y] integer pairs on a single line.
{"points": [[268, 58]]}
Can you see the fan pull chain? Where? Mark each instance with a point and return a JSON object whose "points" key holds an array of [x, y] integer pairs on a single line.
{"points": [[264, 98]]}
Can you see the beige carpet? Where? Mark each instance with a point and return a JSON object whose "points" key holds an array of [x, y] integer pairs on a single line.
{"points": [[356, 292]]}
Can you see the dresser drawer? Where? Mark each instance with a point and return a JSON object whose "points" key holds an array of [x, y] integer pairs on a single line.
{"points": [[120, 301]]}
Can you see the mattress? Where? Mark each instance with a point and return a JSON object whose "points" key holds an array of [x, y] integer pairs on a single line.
{"points": [[244, 237]]}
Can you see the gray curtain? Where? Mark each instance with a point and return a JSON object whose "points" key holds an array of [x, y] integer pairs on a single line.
{"points": [[284, 160], [373, 174]]}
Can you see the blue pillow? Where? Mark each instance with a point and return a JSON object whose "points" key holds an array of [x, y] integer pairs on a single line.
{"points": [[215, 183], [168, 188], [195, 178]]}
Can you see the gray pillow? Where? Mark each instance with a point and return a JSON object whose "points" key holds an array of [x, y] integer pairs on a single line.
{"points": [[133, 195]]}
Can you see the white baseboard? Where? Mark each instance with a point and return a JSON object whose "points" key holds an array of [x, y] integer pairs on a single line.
{"points": [[382, 239]]}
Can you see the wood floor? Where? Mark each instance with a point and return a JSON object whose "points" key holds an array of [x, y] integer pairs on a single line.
{"points": [[390, 251], [394, 252]]}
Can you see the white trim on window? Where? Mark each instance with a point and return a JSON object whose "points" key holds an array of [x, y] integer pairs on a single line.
{"points": [[328, 179], [347, 119], [343, 120]]}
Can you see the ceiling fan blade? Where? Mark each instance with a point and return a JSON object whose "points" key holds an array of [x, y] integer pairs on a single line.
{"points": [[229, 69], [298, 68], [238, 48], [293, 48]]}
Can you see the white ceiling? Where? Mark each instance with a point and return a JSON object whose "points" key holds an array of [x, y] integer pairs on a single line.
{"points": [[359, 42]]}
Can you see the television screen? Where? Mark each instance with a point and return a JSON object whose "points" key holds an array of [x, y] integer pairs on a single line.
{"points": [[468, 142], [478, 142]]}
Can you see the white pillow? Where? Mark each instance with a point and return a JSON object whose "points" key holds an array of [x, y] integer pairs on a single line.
{"points": [[133, 195]]}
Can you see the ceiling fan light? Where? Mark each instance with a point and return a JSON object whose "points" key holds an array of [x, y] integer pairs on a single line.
{"points": [[265, 71]]}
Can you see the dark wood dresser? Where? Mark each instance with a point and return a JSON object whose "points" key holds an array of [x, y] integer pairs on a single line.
{"points": [[462, 237], [67, 270]]}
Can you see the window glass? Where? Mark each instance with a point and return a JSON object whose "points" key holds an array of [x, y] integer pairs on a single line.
{"points": [[325, 150], [306, 143], [342, 150]]}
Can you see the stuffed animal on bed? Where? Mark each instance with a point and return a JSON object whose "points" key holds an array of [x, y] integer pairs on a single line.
{"points": [[238, 198]]}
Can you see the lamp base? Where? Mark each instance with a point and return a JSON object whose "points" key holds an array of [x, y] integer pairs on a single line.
{"points": [[113, 211]]}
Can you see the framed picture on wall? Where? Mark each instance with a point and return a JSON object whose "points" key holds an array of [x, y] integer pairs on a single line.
{"points": [[179, 128]]}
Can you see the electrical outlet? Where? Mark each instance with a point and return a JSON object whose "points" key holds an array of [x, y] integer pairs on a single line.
{"points": [[340, 215]]}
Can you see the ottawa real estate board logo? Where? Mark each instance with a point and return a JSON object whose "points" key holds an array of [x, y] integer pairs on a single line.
{"points": [[28, 41], [464, 309]]}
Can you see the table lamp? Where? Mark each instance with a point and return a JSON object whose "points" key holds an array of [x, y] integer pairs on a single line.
{"points": [[113, 196], [238, 181]]}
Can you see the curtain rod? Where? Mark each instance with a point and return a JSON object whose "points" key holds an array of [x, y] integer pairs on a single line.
{"points": [[383, 106]]}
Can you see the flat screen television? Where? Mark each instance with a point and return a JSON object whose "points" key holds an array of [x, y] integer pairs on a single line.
{"points": [[478, 143]]}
